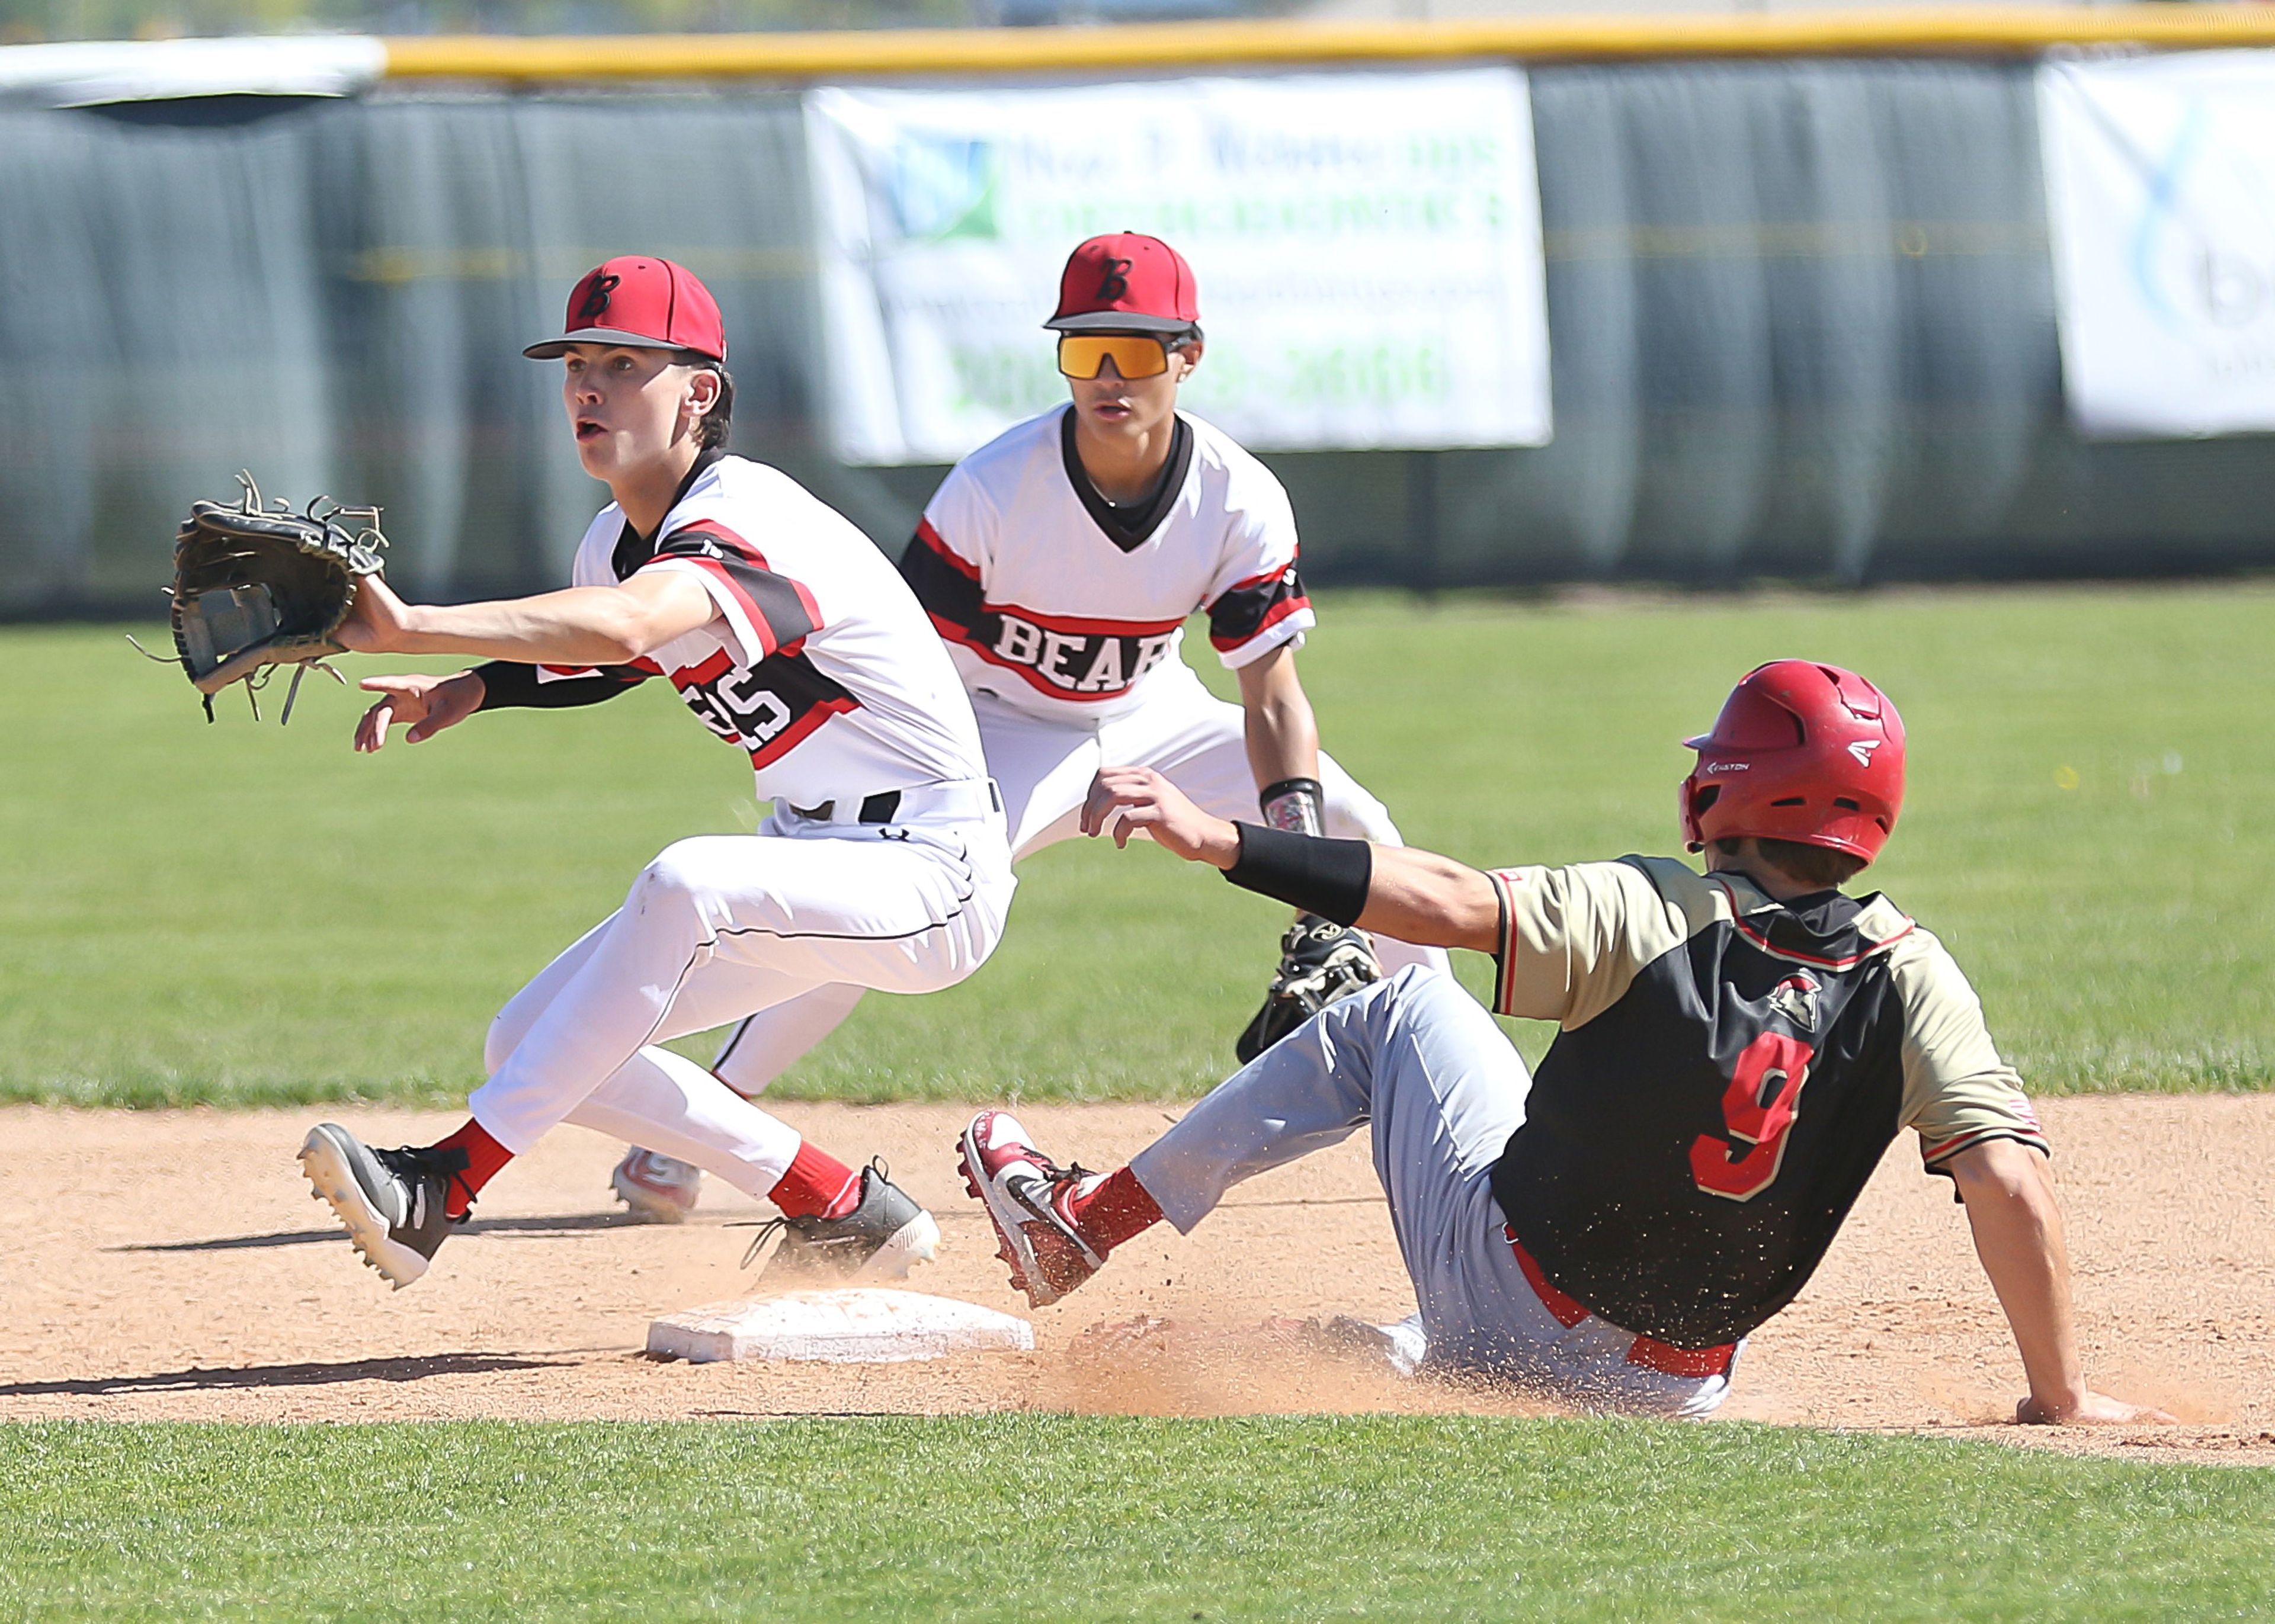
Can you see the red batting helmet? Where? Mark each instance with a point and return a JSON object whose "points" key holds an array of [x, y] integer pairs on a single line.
{"points": [[1802, 751]]}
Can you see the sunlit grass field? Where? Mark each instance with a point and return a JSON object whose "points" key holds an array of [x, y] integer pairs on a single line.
{"points": [[238, 914], [1062, 1517]]}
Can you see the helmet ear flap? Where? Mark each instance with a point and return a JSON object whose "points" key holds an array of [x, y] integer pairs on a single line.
{"points": [[1696, 799]]}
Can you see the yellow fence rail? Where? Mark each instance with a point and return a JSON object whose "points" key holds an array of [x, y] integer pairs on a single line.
{"points": [[1937, 31]]}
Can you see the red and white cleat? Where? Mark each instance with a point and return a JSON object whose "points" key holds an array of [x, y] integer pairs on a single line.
{"points": [[1026, 1196], [659, 1188]]}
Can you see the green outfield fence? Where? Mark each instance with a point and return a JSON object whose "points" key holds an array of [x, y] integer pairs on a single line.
{"points": [[1800, 301]]}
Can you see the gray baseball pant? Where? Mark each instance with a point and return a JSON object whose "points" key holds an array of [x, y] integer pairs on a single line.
{"points": [[1415, 1058]]}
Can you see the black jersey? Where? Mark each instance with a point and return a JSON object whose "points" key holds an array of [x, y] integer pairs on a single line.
{"points": [[1729, 1071]]}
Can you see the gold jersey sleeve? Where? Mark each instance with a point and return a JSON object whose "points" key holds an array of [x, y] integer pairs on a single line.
{"points": [[1958, 1090], [1573, 940]]}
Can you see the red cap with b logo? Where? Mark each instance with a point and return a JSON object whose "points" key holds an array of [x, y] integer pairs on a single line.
{"points": [[1126, 283], [636, 300]]}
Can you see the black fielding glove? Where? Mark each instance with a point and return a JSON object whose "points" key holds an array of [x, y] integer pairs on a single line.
{"points": [[1320, 961], [257, 585]]}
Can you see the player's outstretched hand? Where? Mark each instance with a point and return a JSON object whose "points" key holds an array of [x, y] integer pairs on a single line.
{"points": [[426, 704], [375, 625], [1124, 800], [2096, 1409]]}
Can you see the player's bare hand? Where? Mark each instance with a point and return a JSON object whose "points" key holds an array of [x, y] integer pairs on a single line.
{"points": [[1125, 800], [426, 704], [375, 624], [2094, 1409]]}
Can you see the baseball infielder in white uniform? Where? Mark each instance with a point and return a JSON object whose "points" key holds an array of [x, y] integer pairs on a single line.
{"points": [[884, 863], [1060, 562]]}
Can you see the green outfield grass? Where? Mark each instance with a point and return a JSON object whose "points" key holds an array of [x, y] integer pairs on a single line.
{"points": [[1064, 1518], [238, 914]]}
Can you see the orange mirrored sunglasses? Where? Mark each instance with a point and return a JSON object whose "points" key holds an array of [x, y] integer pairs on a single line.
{"points": [[1135, 355]]}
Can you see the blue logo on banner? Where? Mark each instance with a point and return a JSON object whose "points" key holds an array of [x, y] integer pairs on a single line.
{"points": [[2161, 212], [941, 187]]}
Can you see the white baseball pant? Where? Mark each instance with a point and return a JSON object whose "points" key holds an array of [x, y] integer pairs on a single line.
{"points": [[1195, 740], [1421, 1063], [718, 928]]}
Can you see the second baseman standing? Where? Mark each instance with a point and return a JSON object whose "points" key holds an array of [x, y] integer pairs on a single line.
{"points": [[1060, 562]]}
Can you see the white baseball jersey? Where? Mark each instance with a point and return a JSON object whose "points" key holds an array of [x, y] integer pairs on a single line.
{"points": [[820, 662], [1063, 605]]}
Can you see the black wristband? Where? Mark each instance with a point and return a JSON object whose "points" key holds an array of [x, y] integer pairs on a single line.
{"points": [[1329, 878]]}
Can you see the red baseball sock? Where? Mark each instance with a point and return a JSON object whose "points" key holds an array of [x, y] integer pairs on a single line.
{"points": [[1113, 1210], [817, 1185], [484, 1157]]}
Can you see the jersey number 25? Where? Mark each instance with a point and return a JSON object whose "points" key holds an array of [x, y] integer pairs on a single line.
{"points": [[1757, 1110]]}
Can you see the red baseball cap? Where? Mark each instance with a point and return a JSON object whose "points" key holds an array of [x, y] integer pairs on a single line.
{"points": [[635, 300], [1126, 283]]}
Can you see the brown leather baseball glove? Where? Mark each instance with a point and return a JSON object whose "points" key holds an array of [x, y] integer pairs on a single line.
{"points": [[256, 586]]}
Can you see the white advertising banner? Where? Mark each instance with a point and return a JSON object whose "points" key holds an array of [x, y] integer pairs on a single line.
{"points": [[1366, 245], [2161, 193]]}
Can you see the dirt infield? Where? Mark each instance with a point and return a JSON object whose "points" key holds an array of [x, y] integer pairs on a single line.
{"points": [[172, 1265]]}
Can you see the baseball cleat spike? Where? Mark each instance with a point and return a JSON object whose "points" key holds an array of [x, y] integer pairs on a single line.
{"points": [[1004, 1256], [1025, 1196], [883, 1237], [393, 1203]]}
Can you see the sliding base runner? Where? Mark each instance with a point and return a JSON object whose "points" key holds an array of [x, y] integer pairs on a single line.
{"points": [[1737, 1050]]}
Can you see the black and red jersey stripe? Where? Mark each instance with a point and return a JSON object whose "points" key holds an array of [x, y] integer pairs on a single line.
{"points": [[1247, 609], [929, 538], [1933, 1156], [1066, 656], [781, 610], [947, 586]]}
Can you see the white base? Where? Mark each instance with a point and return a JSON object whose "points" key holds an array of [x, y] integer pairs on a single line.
{"points": [[868, 1325]]}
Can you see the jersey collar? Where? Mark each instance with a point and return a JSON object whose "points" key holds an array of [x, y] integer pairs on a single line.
{"points": [[1129, 524], [1827, 929], [634, 550]]}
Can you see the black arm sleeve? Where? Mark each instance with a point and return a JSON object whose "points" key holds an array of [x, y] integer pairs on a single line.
{"points": [[507, 684], [1325, 877], [947, 587]]}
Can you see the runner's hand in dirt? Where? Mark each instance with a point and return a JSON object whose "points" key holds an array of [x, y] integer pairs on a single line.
{"points": [[2095, 1409], [426, 704], [1128, 800]]}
